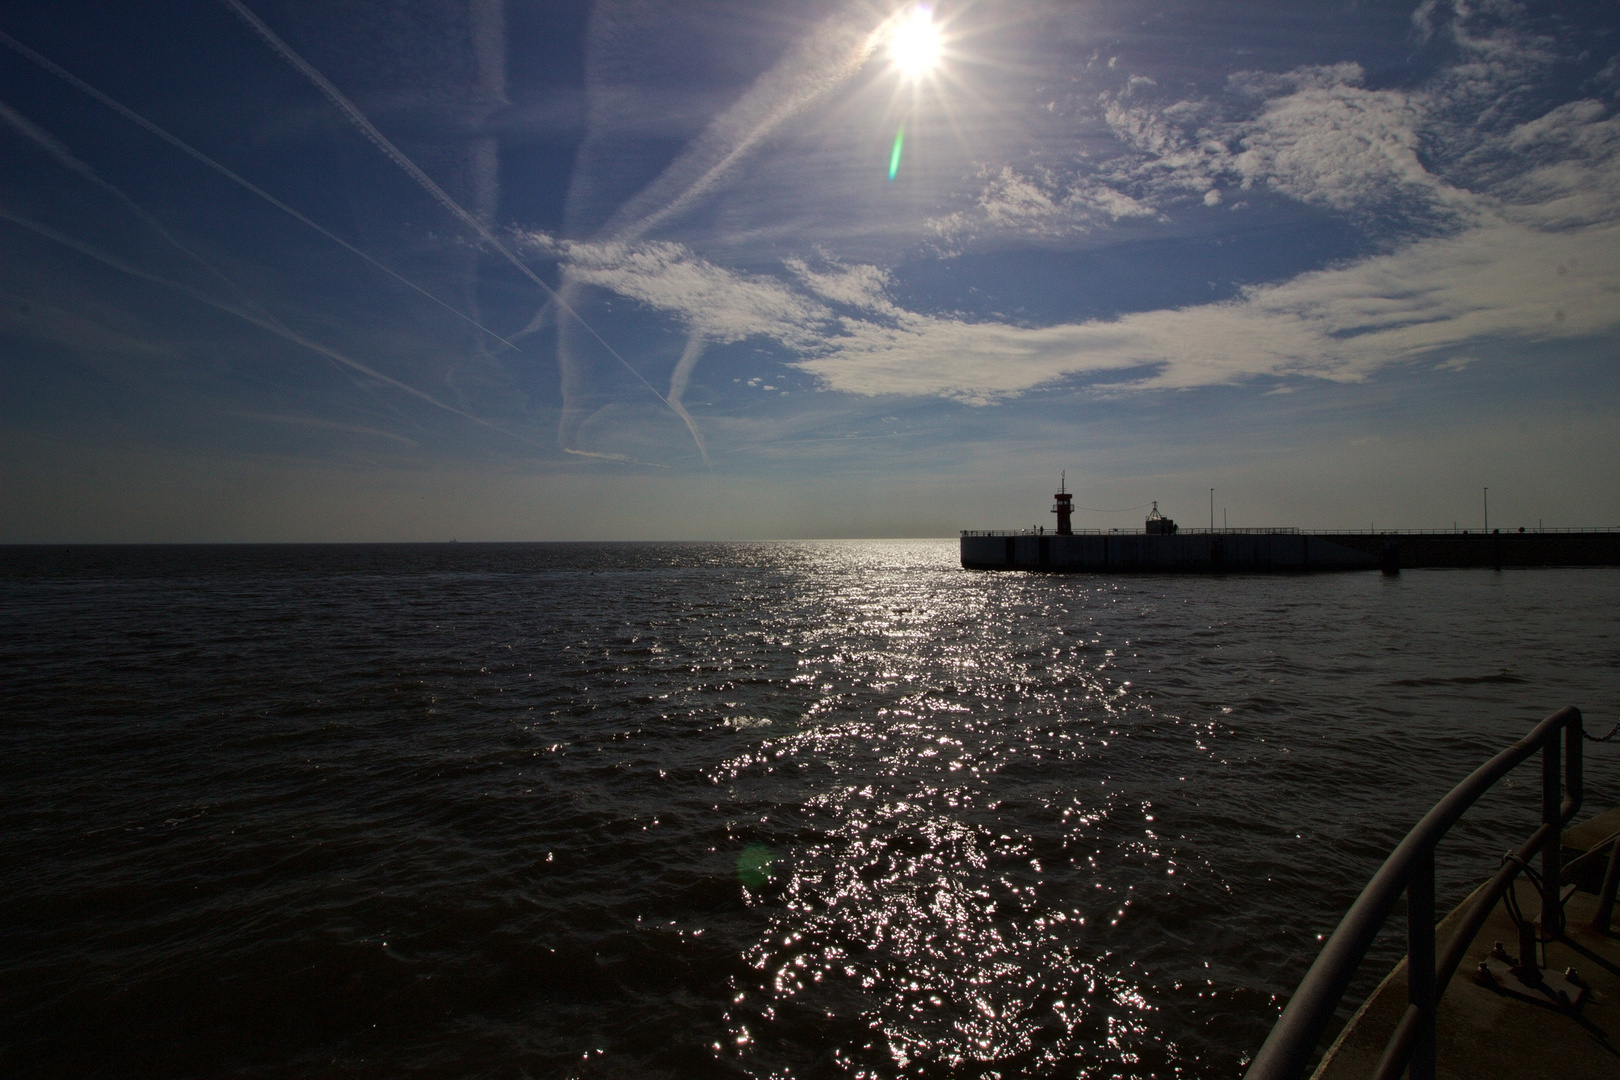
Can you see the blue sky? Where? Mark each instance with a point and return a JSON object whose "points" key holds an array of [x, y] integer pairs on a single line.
{"points": [[286, 270]]}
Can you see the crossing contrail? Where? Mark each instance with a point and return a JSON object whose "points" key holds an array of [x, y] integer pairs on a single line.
{"points": [[69, 161], [394, 153], [268, 324], [677, 388], [822, 63], [197, 155], [537, 322], [66, 158]]}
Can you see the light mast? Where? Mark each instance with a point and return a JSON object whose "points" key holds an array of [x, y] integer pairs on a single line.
{"points": [[1063, 507]]}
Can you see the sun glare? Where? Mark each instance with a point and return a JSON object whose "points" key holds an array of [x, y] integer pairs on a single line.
{"points": [[915, 45]]}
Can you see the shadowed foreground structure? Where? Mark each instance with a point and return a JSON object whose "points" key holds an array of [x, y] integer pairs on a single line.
{"points": [[1409, 1025], [1481, 1032], [1261, 550]]}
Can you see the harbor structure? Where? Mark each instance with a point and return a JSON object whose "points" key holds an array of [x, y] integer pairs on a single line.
{"points": [[1162, 546], [1064, 507], [1158, 524]]}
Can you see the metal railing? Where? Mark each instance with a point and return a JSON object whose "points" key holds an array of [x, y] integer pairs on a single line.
{"points": [[1470, 531], [1288, 1050]]}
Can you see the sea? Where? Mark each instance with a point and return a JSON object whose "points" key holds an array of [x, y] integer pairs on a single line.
{"points": [[730, 810]]}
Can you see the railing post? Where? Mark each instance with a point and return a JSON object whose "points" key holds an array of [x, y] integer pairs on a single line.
{"points": [[1420, 963], [1552, 855], [1574, 747]]}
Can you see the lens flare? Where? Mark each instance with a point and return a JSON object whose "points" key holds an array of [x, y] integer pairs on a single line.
{"points": [[754, 866], [915, 46], [894, 157]]}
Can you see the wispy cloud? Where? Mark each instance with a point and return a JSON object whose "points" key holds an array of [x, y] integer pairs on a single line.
{"points": [[1544, 267], [722, 305], [1314, 134], [1408, 159], [1505, 280], [822, 62], [1039, 204]]}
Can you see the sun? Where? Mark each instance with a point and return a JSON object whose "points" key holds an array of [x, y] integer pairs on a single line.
{"points": [[915, 45]]}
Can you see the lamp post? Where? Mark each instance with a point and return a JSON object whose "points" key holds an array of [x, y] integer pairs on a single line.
{"points": [[1487, 498]]}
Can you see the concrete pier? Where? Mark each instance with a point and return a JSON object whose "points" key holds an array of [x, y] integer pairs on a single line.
{"points": [[1281, 550]]}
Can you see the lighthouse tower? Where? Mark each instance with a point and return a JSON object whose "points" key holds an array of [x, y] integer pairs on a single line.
{"points": [[1064, 506]]}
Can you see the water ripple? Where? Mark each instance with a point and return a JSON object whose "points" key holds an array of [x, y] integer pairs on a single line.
{"points": [[746, 810]]}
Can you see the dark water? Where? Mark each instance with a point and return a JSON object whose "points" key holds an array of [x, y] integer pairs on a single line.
{"points": [[730, 810]]}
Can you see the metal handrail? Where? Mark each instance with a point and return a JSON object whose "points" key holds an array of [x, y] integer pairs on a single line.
{"points": [[1410, 868]]}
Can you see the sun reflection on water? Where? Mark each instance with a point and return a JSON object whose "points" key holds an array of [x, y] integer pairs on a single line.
{"points": [[941, 900]]}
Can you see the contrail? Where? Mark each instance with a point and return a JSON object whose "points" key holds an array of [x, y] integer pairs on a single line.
{"points": [[268, 324], [824, 62], [378, 139], [677, 388], [186, 148], [537, 322], [613, 457], [66, 158]]}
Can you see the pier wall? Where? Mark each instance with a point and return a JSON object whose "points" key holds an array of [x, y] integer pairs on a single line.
{"points": [[1128, 552], [1491, 549], [1234, 552]]}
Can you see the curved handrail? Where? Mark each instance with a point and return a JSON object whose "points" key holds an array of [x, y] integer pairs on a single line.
{"points": [[1287, 1050]]}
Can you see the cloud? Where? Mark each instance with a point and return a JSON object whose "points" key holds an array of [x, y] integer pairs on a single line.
{"points": [[1267, 84], [861, 287], [1313, 134], [1513, 239], [1504, 279], [1038, 204], [1566, 166], [1408, 159], [1341, 146], [723, 306]]}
